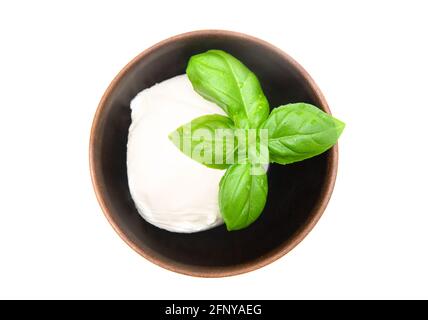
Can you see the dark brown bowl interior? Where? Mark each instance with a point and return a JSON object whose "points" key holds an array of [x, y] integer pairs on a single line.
{"points": [[298, 193]]}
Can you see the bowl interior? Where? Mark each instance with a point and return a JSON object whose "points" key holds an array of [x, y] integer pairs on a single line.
{"points": [[294, 190]]}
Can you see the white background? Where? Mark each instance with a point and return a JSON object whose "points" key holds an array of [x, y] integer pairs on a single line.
{"points": [[370, 60]]}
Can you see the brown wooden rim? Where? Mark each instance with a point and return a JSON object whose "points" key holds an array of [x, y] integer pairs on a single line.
{"points": [[262, 261]]}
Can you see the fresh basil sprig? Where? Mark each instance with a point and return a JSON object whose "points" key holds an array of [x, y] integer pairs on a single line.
{"points": [[295, 132]]}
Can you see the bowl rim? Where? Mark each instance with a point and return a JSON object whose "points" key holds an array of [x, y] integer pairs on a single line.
{"points": [[203, 271]]}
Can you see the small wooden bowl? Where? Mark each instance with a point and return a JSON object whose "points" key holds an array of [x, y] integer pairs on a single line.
{"points": [[298, 193]]}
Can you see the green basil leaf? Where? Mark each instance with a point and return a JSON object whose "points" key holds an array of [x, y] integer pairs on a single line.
{"points": [[242, 196], [208, 139], [223, 79], [300, 131]]}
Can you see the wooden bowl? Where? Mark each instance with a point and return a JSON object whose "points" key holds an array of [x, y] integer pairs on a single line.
{"points": [[298, 193]]}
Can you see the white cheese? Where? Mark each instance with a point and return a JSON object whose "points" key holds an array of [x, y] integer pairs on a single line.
{"points": [[170, 190]]}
